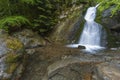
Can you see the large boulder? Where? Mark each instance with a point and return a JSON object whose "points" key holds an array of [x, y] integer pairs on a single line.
{"points": [[11, 54]]}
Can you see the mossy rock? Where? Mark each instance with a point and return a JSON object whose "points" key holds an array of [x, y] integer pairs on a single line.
{"points": [[12, 58], [11, 55], [14, 44], [11, 68]]}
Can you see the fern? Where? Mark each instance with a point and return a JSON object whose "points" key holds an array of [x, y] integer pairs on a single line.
{"points": [[13, 23]]}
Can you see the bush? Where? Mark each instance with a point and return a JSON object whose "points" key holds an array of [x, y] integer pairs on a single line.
{"points": [[13, 23]]}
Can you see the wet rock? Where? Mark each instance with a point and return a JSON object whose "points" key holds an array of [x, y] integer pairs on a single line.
{"points": [[81, 47], [29, 38], [11, 53]]}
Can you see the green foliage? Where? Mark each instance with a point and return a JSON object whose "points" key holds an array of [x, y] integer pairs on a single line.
{"points": [[105, 4], [47, 16], [5, 9], [13, 23], [32, 2], [48, 12], [42, 13]]}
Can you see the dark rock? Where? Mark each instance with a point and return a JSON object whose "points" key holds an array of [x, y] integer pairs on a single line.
{"points": [[112, 26], [81, 47], [109, 21], [116, 28]]}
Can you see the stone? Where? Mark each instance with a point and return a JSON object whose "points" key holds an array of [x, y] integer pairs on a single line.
{"points": [[3, 32], [11, 54], [81, 47], [112, 26], [108, 71], [29, 38], [30, 51], [73, 70]]}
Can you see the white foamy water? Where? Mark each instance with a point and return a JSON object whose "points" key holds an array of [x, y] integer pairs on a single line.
{"points": [[91, 35]]}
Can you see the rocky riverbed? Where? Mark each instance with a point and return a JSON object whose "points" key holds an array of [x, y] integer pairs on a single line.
{"points": [[56, 62]]}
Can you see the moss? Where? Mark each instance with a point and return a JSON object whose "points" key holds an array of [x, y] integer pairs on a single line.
{"points": [[12, 58], [12, 67], [12, 61], [14, 44]]}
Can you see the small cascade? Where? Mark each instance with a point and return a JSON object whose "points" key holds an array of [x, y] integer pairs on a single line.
{"points": [[91, 35]]}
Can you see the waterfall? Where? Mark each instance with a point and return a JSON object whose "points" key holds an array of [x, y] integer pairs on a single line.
{"points": [[91, 34]]}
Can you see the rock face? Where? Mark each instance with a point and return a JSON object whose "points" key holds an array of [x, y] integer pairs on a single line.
{"points": [[108, 20], [116, 30], [113, 26], [11, 54], [67, 26]]}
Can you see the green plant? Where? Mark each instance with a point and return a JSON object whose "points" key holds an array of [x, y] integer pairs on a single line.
{"points": [[13, 23], [105, 4], [47, 16]]}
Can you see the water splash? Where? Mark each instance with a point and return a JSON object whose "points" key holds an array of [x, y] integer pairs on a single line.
{"points": [[91, 35]]}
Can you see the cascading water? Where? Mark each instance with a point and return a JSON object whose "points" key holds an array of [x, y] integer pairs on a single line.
{"points": [[91, 35]]}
